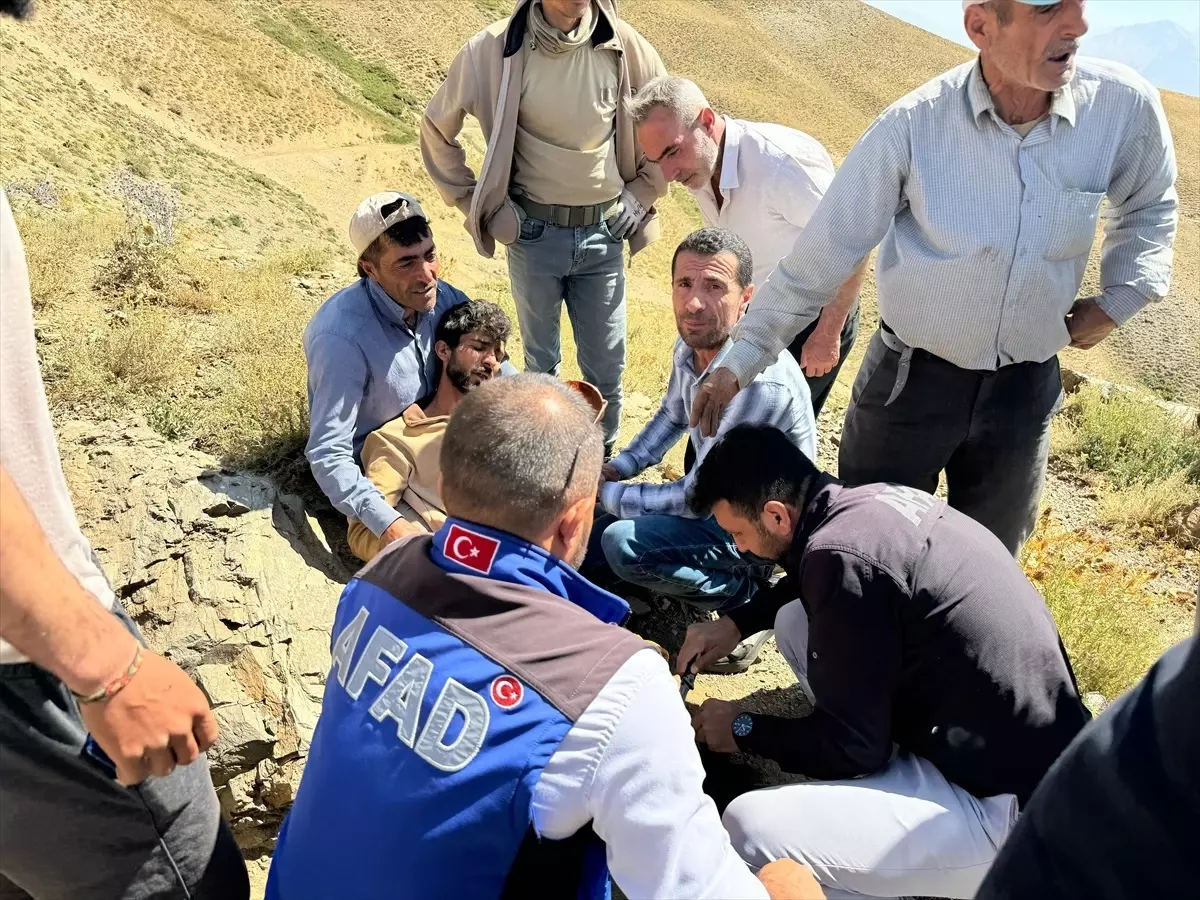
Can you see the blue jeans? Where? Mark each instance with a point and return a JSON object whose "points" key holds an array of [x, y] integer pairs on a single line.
{"points": [[693, 560], [586, 268]]}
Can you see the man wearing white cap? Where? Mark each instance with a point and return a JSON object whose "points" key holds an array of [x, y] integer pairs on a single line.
{"points": [[984, 186], [370, 352]]}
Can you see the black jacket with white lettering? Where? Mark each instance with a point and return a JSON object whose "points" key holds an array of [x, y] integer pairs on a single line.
{"points": [[923, 632]]}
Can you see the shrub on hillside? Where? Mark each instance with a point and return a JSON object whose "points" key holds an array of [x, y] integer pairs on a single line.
{"points": [[136, 270], [1148, 458], [1130, 439], [146, 351], [1110, 625]]}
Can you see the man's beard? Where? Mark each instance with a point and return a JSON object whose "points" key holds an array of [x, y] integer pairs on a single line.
{"points": [[706, 162], [466, 380], [576, 558], [776, 548], [18, 9], [713, 339]]}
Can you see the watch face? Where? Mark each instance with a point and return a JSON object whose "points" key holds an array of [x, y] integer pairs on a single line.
{"points": [[742, 724]]}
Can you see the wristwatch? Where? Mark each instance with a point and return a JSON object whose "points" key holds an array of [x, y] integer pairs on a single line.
{"points": [[743, 724]]}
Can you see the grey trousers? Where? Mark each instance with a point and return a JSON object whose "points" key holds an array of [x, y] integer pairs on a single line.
{"points": [[903, 831], [913, 415], [69, 832]]}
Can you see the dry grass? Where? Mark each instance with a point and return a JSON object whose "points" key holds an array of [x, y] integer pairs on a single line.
{"points": [[1151, 505], [1149, 460], [209, 351], [1112, 628], [60, 250]]}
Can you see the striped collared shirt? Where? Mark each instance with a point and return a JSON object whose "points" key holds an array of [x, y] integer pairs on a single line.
{"points": [[986, 234], [778, 397]]}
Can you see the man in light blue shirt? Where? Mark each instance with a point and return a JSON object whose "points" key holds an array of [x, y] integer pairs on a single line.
{"points": [[649, 537], [984, 186], [370, 352]]}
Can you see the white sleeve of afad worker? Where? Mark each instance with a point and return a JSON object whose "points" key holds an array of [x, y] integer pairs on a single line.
{"points": [[630, 766]]}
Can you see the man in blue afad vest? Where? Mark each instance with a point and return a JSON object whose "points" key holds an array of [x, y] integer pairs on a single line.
{"points": [[488, 730]]}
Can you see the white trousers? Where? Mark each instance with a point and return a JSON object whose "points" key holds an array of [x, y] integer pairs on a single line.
{"points": [[904, 831]]}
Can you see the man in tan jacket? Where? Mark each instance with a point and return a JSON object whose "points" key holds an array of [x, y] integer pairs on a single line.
{"points": [[564, 183], [401, 458]]}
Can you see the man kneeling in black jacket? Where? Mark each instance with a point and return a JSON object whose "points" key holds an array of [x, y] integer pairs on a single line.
{"points": [[941, 690]]}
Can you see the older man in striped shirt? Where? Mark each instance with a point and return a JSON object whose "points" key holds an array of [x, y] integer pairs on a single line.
{"points": [[985, 187], [649, 536]]}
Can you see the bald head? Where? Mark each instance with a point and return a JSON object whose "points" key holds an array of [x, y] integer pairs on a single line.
{"points": [[518, 453]]}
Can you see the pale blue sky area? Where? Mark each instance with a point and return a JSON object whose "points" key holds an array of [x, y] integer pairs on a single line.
{"points": [[945, 17]]}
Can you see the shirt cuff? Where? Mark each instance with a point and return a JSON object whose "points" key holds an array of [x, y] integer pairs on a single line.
{"points": [[377, 515], [1121, 302], [625, 464], [745, 361], [610, 497]]}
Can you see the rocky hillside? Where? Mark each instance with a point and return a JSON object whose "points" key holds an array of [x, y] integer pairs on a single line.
{"points": [[232, 579]]}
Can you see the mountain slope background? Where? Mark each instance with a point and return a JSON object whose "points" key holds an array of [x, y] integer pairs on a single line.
{"points": [[1166, 53], [319, 101]]}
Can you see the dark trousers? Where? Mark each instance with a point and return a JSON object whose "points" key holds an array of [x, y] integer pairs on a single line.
{"points": [[68, 830], [913, 415], [819, 387]]}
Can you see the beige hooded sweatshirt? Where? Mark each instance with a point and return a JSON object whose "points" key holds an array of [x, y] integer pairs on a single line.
{"points": [[484, 81]]}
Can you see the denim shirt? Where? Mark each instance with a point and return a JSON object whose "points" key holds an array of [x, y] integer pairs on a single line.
{"points": [[365, 367]]}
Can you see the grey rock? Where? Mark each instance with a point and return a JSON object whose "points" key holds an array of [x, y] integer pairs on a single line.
{"points": [[231, 579]]}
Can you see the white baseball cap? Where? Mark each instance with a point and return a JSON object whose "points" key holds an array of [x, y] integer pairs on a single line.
{"points": [[378, 213], [967, 3]]}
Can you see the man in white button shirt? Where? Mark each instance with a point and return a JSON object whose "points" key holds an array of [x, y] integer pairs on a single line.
{"points": [[761, 181], [984, 187]]}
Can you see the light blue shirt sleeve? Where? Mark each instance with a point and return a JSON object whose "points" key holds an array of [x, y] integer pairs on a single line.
{"points": [[1142, 217], [337, 380], [851, 220], [760, 404]]}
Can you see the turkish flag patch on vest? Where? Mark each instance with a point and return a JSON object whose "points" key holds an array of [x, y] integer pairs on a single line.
{"points": [[471, 549]]}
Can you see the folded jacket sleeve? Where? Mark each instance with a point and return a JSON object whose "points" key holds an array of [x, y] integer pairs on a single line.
{"points": [[443, 154]]}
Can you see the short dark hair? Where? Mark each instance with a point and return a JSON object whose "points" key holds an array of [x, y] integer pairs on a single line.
{"points": [[710, 242], [405, 233], [518, 451], [482, 317], [750, 466], [18, 9]]}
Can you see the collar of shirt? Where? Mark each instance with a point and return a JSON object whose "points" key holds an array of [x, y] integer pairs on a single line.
{"points": [[729, 160], [1062, 101], [820, 496], [390, 309], [685, 359]]}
